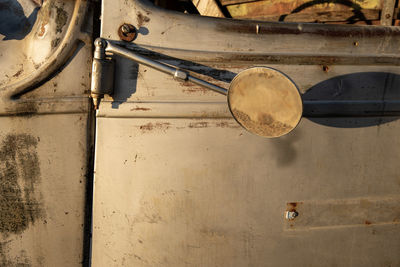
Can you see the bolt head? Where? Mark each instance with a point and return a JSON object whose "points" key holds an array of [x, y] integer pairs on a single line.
{"points": [[290, 215], [127, 32], [125, 28]]}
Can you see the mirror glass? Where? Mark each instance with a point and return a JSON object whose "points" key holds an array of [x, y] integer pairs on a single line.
{"points": [[265, 102]]}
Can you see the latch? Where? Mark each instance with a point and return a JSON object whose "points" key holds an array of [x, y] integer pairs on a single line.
{"points": [[262, 100]]}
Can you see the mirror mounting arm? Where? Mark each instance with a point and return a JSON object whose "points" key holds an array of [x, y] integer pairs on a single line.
{"points": [[100, 74], [263, 100]]}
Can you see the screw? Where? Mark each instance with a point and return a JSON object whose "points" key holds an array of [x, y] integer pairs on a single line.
{"points": [[125, 29], [355, 43], [290, 215], [127, 32]]}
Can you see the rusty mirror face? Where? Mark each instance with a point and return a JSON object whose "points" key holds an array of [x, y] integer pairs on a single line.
{"points": [[265, 102]]}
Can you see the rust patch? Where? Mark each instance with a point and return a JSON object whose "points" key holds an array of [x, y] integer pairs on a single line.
{"points": [[367, 222], [222, 124], [291, 206], [194, 90], [18, 72], [201, 124], [212, 233], [140, 109], [154, 126], [142, 19], [19, 174], [42, 29]]}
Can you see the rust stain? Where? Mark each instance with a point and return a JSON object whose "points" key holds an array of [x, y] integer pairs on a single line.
{"points": [[142, 19], [212, 233], [291, 206], [141, 109], [19, 175], [18, 72], [42, 29], [201, 124], [37, 65], [222, 124], [225, 124], [154, 126], [367, 222], [195, 90]]}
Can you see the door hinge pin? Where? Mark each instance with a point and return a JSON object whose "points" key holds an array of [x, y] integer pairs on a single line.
{"points": [[102, 73]]}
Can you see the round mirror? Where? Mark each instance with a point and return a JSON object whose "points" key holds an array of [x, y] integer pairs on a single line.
{"points": [[265, 102]]}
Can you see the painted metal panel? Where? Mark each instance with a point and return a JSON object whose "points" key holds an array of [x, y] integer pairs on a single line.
{"points": [[179, 183], [45, 132]]}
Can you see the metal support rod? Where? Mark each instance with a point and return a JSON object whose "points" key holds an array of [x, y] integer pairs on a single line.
{"points": [[387, 12], [175, 72]]}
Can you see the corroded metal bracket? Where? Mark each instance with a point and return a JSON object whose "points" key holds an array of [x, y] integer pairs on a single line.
{"points": [[102, 72], [263, 100]]}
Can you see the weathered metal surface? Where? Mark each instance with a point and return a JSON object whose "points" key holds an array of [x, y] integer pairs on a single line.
{"points": [[178, 182], [31, 59], [201, 193], [43, 168], [44, 133], [318, 215]]}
